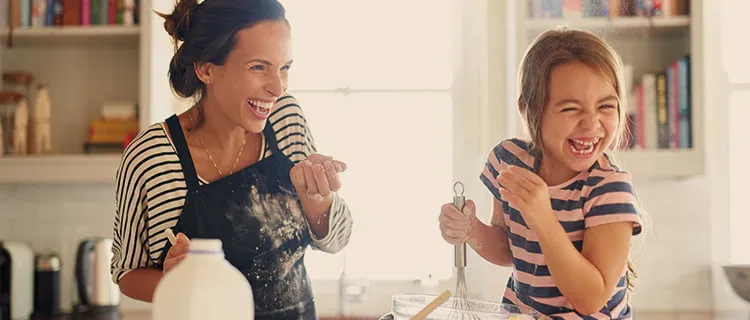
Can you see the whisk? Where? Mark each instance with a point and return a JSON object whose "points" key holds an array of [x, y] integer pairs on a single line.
{"points": [[461, 307]]}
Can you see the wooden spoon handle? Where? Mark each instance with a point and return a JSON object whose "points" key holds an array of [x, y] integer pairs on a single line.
{"points": [[442, 298]]}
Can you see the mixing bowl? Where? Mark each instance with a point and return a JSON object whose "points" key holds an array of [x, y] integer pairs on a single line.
{"points": [[404, 306], [739, 279]]}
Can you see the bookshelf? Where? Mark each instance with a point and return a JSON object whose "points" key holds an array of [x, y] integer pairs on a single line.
{"points": [[648, 45], [72, 35], [86, 66]]}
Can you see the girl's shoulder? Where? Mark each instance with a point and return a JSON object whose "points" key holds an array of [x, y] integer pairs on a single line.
{"points": [[514, 152]]}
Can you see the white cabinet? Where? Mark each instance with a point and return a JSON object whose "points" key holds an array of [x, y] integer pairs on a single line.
{"points": [[648, 45], [86, 66]]}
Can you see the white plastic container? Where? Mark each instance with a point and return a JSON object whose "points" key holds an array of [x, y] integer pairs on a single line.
{"points": [[203, 286]]}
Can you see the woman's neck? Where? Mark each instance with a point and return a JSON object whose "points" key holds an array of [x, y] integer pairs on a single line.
{"points": [[217, 129]]}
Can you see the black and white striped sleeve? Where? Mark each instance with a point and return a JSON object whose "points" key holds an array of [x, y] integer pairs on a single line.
{"points": [[130, 247], [297, 143]]}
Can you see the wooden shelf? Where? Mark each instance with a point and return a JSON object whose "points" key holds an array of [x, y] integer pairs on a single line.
{"points": [[620, 26], [662, 164], [63, 168], [71, 34]]}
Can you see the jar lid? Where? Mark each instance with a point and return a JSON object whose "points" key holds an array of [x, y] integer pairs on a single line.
{"points": [[10, 96], [18, 77]]}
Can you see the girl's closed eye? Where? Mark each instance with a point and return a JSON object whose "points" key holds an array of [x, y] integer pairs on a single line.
{"points": [[608, 107]]}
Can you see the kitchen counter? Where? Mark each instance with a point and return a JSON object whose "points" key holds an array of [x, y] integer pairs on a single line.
{"points": [[146, 315]]}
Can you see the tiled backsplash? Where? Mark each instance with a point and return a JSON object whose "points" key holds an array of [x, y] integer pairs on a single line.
{"points": [[674, 264]]}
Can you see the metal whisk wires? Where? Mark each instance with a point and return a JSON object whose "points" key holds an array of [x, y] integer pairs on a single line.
{"points": [[461, 306]]}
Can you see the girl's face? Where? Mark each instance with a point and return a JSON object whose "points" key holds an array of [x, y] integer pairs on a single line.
{"points": [[580, 120]]}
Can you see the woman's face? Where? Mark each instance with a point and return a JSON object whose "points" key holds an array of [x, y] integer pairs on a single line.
{"points": [[253, 76]]}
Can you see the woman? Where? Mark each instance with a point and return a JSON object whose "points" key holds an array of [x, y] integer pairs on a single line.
{"points": [[239, 165]]}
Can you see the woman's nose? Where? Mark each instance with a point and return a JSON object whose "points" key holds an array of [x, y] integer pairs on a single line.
{"points": [[276, 86]]}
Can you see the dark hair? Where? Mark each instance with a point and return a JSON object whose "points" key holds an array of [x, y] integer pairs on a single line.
{"points": [[207, 31]]}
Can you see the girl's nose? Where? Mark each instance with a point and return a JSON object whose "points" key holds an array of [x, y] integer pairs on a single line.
{"points": [[589, 120]]}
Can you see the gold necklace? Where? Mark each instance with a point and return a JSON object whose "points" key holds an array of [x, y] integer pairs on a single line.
{"points": [[237, 159]]}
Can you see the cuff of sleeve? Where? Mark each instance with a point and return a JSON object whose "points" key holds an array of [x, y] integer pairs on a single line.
{"points": [[117, 274], [601, 220], [333, 212]]}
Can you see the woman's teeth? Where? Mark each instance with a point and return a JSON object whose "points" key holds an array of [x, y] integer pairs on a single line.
{"points": [[260, 107], [583, 147]]}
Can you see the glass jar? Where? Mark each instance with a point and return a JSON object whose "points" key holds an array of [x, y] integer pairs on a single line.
{"points": [[18, 81], [8, 103]]}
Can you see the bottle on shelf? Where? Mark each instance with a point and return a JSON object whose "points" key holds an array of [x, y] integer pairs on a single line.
{"points": [[42, 118]]}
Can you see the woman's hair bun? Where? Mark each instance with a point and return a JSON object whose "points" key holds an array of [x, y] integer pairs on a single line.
{"points": [[177, 23]]}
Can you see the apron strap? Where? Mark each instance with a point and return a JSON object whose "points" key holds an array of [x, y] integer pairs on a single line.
{"points": [[270, 136], [180, 144]]}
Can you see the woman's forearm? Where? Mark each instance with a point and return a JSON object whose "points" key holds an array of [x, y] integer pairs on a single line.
{"points": [[491, 243], [140, 284]]}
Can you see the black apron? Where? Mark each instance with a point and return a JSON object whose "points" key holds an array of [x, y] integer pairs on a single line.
{"points": [[257, 215]]}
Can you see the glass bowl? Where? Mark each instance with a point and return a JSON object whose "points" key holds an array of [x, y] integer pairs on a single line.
{"points": [[404, 306]]}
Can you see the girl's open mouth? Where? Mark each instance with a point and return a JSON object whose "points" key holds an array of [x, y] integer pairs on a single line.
{"points": [[583, 146]]}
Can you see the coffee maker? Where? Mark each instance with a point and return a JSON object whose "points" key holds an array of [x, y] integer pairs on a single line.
{"points": [[98, 297], [16, 280]]}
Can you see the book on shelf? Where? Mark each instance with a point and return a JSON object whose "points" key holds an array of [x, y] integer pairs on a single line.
{"points": [[68, 13], [660, 110], [576, 9]]}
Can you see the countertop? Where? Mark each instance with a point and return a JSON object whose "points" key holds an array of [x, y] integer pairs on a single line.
{"points": [[146, 315]]}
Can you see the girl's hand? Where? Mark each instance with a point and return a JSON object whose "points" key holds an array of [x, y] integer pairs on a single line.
{"points": [[177, 252], [526, 192], [456, 226], [316, 179]]}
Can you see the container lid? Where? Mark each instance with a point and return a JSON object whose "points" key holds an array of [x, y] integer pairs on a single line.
{"points": [[205, 246], [10, 97], [48, 262], [19, 77]]}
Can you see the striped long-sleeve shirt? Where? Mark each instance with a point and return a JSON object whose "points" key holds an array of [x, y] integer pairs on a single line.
{"points": [[150, 190], [603, 194]]}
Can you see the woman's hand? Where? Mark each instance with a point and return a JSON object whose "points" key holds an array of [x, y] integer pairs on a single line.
{"points": [[316, 179], [177, 252], [527, 193], [456, 226]]}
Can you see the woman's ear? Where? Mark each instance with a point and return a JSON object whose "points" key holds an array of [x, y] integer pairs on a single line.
{"points": [[205, 71]]}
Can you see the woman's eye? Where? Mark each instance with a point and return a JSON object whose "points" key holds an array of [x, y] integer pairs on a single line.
{"points": [[285, 68], [608, 106], [258, 67], [568, 109]]}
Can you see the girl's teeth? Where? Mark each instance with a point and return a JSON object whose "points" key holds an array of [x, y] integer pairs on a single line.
{"points": [[583, 147], [586, 143]]}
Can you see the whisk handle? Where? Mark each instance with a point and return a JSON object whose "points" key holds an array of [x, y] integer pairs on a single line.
{"points": [[459, 251]]}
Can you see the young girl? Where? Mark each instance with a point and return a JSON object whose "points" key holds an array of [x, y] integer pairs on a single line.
{"points": [[563, 213]]}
